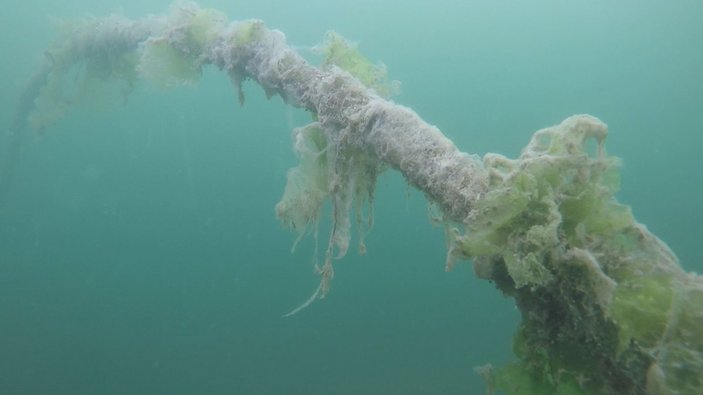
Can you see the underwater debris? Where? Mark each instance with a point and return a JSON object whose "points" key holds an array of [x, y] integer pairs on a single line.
{"points": [[606, 307]]}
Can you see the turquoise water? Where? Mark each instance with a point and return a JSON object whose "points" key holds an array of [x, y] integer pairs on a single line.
{"points": [[140, 253]]}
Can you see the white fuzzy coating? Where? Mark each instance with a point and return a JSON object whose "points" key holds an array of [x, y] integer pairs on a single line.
{"points": [[395, 135]]}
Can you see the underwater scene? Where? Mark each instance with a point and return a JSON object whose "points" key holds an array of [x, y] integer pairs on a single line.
{"points": [[361, 197]]}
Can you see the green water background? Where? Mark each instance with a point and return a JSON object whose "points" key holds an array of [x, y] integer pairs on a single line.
{"points": [[139, 250]]}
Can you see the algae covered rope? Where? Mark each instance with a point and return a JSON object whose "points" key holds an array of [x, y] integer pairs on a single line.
{"points": [[606, 307]]}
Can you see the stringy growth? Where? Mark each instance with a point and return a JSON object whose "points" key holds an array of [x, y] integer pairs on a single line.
{"points": [[335, 167], [330, 169]]}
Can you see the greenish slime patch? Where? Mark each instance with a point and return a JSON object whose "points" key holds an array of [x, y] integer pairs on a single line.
{"points": [[605, 307]]}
